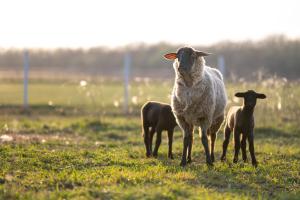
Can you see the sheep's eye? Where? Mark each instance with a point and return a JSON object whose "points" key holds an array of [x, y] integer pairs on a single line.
{"points": [[193, 56]]}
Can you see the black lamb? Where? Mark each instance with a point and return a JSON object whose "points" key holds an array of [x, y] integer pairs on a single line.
{"points": [[240, 120], [159, 117]]}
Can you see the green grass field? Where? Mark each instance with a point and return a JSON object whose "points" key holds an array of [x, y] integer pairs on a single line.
{"points": [[76, 143]]}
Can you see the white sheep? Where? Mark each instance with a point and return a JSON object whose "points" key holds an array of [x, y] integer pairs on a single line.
{"points": [[198, 99]]}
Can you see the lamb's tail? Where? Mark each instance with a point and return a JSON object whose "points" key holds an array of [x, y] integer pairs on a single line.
{"points": [[144, 111]]}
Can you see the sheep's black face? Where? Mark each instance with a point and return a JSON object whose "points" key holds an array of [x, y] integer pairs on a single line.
{"points": [[250, 98], [186, 58]]}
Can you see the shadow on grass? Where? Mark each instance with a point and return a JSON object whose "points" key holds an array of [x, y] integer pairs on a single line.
{"points": [[39, 109], [64, 110], [274, 133], [240, 178]]}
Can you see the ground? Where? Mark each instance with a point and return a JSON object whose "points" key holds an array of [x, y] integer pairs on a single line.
{"points": [[75, 142]]}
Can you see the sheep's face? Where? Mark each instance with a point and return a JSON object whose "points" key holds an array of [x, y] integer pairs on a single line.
{"points": [[250, 98], [186, 57], [184, 63]]}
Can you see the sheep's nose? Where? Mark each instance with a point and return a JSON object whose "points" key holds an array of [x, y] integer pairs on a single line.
{"points": [[181, 69]]}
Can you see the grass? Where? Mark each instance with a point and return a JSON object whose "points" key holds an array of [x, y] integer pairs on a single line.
{"points": [[82, 147]]}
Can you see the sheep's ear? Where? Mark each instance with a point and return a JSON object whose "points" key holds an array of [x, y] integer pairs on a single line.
{"points": [[260, 96], [201, 53], [170, 56], [240, 94]]}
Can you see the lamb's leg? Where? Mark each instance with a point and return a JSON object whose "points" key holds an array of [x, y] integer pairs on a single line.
{"points": [[187, 134], [170, 138], [151, 134], [243, 146], [251, 149], [146, 140], [226, 142], [204, 140], [189, 158], [158, 141], [237, 145]]}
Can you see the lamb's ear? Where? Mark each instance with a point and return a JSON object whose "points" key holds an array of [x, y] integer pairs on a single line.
{"points": [[240, 94], [260, 96], [201, 53], [170, 56]]}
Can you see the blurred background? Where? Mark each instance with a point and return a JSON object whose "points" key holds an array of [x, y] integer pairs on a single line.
{"points": [[75, 73], [107, 56]]}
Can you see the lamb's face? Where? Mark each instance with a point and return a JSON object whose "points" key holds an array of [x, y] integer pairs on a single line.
{"points": [[250, 98]]}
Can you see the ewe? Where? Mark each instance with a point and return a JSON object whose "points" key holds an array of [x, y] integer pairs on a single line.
{"points": [[198, 99]]}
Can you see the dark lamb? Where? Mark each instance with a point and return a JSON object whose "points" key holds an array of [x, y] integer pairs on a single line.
{"points": [[157, 117], [240, 120]]}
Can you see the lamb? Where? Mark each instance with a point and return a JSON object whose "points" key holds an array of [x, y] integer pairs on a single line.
{"points": [[159, 117], [240, 120], [198, 99]]}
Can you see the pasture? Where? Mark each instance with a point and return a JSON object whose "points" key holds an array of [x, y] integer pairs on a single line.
{"points": [[76, 143]]}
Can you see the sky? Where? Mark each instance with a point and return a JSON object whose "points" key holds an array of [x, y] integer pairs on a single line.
{"points": [[114, 23]]}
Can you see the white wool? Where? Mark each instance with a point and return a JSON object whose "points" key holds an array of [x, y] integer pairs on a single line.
{"points": [[202, 103]]}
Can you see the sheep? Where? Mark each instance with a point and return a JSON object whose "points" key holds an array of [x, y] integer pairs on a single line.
{"points": [[198, 99], [159, 117], [240, 120]]}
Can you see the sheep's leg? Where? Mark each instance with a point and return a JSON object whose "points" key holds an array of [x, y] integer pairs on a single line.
{"points": [[237, 145], [151, 134], [213, 135], [243, 146], [186, 141], [189, 158], [170, 142], [226, 142], [157, 144], [187, 134], [212, 146], [251, 149], [146, 140], [204, 140]]}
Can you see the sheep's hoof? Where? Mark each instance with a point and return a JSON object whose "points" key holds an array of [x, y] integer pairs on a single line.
{"points": [[189, 160], [223, 158], [235, 160], [212, 158], [183, 163], [155, 155], [148, 155], [210, 163], [255, 164], [245, 160]]}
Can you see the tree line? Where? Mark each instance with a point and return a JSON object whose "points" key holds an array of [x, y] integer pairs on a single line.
{"points": [[247, 59]]}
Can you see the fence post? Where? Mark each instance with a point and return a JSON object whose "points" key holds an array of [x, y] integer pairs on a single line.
{"points": [[127, 63], [26, 73]]}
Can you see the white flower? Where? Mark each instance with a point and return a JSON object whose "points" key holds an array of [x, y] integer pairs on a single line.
{"points": [[116, 103], [134, 100], [279, 105], [82, 83]]}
